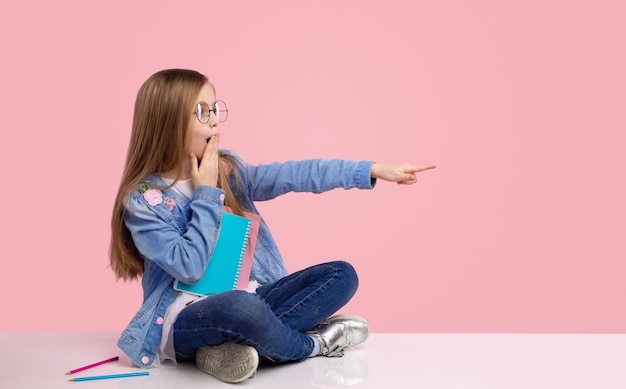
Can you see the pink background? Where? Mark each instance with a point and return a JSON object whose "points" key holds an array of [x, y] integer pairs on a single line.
{"points": [[521, 104]]}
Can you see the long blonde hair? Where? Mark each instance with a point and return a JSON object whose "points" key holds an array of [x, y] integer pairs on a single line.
{"points": [[163, 106]]}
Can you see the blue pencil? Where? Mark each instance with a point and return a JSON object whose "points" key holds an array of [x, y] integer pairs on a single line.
{"points": [[104, 377]]}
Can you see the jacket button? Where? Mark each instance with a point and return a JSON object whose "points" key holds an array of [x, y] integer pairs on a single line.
{"points": [[222, 197], [145, 360], [159, 320]]}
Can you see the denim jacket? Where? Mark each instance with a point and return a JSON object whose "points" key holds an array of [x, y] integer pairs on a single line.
{"points": [[176, 236]]}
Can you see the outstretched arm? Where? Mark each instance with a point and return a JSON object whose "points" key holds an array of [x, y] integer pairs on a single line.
{"points": [[404, 174]]}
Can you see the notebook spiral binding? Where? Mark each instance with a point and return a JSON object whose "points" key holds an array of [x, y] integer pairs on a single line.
{"points": [[244, 247]]}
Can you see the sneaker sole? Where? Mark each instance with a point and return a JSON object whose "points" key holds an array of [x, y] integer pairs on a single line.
{"points": [[228, 362]]}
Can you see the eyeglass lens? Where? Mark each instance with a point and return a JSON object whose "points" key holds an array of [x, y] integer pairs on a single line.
{"points": [[203, 111]]}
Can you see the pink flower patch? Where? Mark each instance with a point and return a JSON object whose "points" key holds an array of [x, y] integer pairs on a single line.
{"points": [[153, 196], [170, 203]]}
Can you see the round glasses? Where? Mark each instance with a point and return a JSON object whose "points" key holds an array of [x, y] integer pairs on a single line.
{"points": [[203, 111]]}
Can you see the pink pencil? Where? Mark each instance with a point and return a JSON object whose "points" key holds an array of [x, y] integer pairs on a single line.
{"points": [[92, 365]]}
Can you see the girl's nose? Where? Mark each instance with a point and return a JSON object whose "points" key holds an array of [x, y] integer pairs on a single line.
{"points": [[213, 120]]}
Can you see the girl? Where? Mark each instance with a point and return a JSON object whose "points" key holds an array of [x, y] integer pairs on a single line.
{"points": [[165, 222]]}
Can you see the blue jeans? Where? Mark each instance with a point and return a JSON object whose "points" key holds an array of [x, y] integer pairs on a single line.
{"points": [[272, 320]]}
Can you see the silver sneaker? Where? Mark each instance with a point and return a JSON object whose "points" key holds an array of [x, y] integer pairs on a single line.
{"points": [[228, 362], [338, 332]]}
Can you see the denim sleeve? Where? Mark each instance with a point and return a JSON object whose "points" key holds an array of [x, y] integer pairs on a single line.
{"points": [[182, 254], [314, 176]]}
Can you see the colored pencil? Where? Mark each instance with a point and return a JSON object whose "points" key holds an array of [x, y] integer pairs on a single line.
{"points": [[92, 365], [104, 377]]}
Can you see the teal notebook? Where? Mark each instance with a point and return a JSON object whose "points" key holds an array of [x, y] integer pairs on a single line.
{"points": [[222, 272]]}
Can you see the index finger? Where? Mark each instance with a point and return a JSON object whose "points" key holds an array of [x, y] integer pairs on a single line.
{"points": [[211, 145], [420, 168]]}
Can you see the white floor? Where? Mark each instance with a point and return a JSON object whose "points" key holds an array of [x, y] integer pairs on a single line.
{"points": [[429, 361]]}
